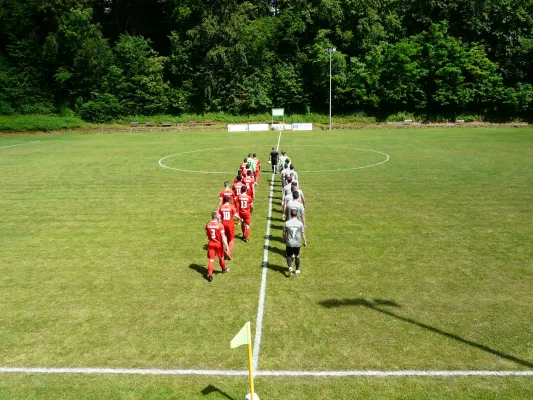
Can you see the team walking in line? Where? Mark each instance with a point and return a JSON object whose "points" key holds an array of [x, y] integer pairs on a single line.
{"points": [[236, 205]]}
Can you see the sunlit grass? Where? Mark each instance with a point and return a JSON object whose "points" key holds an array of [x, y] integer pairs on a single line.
{"points": [[422, 262]]}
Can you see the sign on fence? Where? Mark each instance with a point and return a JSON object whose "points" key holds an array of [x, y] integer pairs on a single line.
{"points": [[281, 127], [302, 127], [238, 128], [257, 127]]}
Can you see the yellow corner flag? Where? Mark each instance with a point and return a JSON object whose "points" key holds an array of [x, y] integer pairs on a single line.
{"points": [[245, 337], [242, 337]]}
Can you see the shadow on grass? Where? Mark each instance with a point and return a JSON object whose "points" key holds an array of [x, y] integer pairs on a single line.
{"points": [[202, 270], [276, 250], [377, 304], [213, 389], [278, 268], [277, 239]]}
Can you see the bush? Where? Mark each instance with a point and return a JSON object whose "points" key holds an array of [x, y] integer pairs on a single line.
{"points": [[468, 117], [6, 109], [22, 123], [101, 108], [38, 108], [400, 117]]}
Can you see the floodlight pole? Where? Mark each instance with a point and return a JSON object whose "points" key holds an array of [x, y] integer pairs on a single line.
{"points": [[330, 50]]}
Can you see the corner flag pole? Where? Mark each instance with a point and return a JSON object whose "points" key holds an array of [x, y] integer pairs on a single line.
{"points": [[245, 337], [250, 364]]}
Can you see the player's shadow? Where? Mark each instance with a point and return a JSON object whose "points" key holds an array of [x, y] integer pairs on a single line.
{"points": [[377, 305], [276, 239], [202, 270], [213, 389], [278, 268], [276, 250]]}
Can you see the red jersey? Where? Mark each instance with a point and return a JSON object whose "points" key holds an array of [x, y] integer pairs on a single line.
{"points": [[244, 203], [227, 212], [249, 181], [257, 164], [214, 232], [237, 188], [227, 192], [243, 167]]}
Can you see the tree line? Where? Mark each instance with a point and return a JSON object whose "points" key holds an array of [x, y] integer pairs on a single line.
{"points": [[103, 59]]}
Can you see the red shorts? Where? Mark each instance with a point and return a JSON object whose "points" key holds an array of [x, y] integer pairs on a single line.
{"points": [[214, 250], [229, 230], [245, 217]]}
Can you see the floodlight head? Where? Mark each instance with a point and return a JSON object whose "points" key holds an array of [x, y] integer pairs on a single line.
{"points": [[332, 49]]}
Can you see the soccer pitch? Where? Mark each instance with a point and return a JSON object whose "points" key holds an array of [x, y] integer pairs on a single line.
{"points": [[419, 259]]}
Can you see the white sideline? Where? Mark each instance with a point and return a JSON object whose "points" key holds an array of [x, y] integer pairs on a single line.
{"points": [[261, 305], [20, 144], [213, 372], [396, 373]]}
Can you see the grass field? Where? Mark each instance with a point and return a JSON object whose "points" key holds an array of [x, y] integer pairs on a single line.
{"points": [[422, 262]]}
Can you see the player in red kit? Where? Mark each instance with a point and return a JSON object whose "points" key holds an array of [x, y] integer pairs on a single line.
{"points": [[249, 181], [257, 167], [227, 212], [239, 173], [215, 247], [244, 165], [245, 206], [237, 189], [227, 191]]}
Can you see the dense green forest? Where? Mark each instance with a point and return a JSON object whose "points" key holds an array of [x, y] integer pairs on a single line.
{"points": [[103, 59]]}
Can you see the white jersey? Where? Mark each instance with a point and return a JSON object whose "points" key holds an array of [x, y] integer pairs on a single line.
{"points": [[284, 174], [289, 197], [293, 172], [287, 189], [282, 159], [294, 230], [294, 204]]}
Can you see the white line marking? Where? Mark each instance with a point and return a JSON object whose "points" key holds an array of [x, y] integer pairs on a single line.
{"points": [[395, 373], [197, 151], [387, 158], [262, 291], [213, 372], [124, 371], [20, 144]]}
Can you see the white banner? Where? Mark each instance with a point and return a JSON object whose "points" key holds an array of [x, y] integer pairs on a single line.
{"points": [[257, 127], [278, 112], [237, 128], [302, 127], [281, 127]]}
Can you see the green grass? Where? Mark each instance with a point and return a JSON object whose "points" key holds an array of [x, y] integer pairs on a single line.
{"points": [[23, 123], [423, 262]]}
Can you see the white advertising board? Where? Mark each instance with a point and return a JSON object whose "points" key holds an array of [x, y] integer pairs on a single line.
{"points": [[302, 127], [282, 127], [257, 127], [278, 112], [238, 128]]}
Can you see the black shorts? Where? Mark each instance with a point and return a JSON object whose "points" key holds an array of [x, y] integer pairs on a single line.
{"points": [[292, 251]]}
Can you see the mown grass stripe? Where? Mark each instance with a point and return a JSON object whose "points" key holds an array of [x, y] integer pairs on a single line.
{"points": [[262, 292]]}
